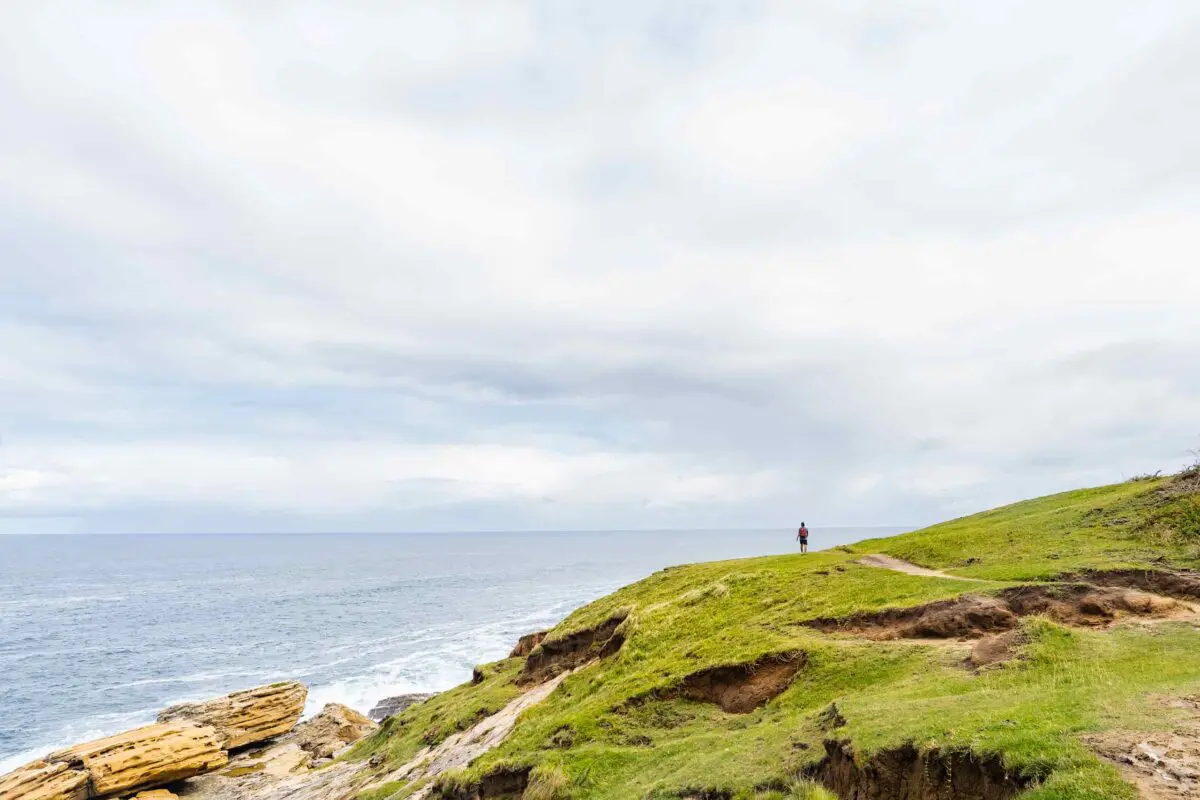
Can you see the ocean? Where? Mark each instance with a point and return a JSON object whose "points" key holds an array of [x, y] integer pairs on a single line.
{"points": [[97, 633]]}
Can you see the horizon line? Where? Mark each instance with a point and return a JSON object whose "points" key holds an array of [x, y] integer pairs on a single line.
{"points": [[446, 532]]}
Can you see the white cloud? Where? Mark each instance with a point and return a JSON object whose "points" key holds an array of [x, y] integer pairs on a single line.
{"points": [[634, 265]]}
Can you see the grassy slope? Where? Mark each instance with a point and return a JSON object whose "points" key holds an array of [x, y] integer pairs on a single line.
{"points": [[587, 737]]}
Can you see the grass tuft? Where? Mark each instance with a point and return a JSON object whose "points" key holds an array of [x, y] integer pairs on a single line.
{"points": [[546, 782]]}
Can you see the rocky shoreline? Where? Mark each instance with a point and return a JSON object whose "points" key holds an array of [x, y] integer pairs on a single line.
{"points": [[198, 748], [242, 745]]}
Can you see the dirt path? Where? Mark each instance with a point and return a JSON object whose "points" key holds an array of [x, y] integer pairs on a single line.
{"points": [[897, 565]]}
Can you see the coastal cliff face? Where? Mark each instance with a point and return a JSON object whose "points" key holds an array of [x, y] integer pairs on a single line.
{"points": [[1048, 650]]}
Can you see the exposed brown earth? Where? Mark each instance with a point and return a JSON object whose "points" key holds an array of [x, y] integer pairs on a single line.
{"points": [[503, 784], [555, 656], [905, 773], [738, 688], [1171, 583], [972, 616], [527, 643]]}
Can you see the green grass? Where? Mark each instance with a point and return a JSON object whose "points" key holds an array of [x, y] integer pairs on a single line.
{"points": [[588, 740], [1038, 539]]}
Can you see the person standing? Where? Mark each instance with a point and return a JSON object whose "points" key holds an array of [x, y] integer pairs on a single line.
{"points": [[802, 537]]}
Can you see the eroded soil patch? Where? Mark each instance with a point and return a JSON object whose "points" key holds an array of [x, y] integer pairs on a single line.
{"points": [[741, 688], [503, 783], [996, 649], [905, 773], [735, 688], [555, 656], [527, 643], [1175, 583], [972, 616]]}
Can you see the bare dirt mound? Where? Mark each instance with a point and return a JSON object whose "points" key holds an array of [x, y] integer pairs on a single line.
{"points": [[973, 616], [555, 656], [996, 649], [905, 773]]}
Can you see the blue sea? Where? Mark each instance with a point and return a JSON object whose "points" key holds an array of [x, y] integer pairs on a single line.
{"points": [[99, 632]]}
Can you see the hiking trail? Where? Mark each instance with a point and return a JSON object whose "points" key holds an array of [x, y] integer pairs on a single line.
{"points": [[899, 565]]}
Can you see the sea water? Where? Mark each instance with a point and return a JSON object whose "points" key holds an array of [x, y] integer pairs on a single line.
{"points": [[99, 632]]}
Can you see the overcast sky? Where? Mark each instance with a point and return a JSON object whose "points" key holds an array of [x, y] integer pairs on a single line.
{"points": [[282, 266]]}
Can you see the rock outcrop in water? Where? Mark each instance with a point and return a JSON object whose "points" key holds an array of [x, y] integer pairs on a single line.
{"points": [[391, 706], [247, 717]]}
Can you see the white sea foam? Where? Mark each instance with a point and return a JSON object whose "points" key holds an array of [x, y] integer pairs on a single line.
{"points": [[429, 670]]}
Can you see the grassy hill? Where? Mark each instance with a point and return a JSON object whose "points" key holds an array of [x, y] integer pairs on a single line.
{"points": [[1060, 639]]}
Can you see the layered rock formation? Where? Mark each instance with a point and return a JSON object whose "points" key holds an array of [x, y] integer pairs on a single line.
{"points": [[145, 757], [247, 717], [330, 731], [43, 780], [188, 740]]}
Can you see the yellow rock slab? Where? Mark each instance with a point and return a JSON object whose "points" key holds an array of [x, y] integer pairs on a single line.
{"points": [[42, 780], [247, 717], [146, 757]]}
